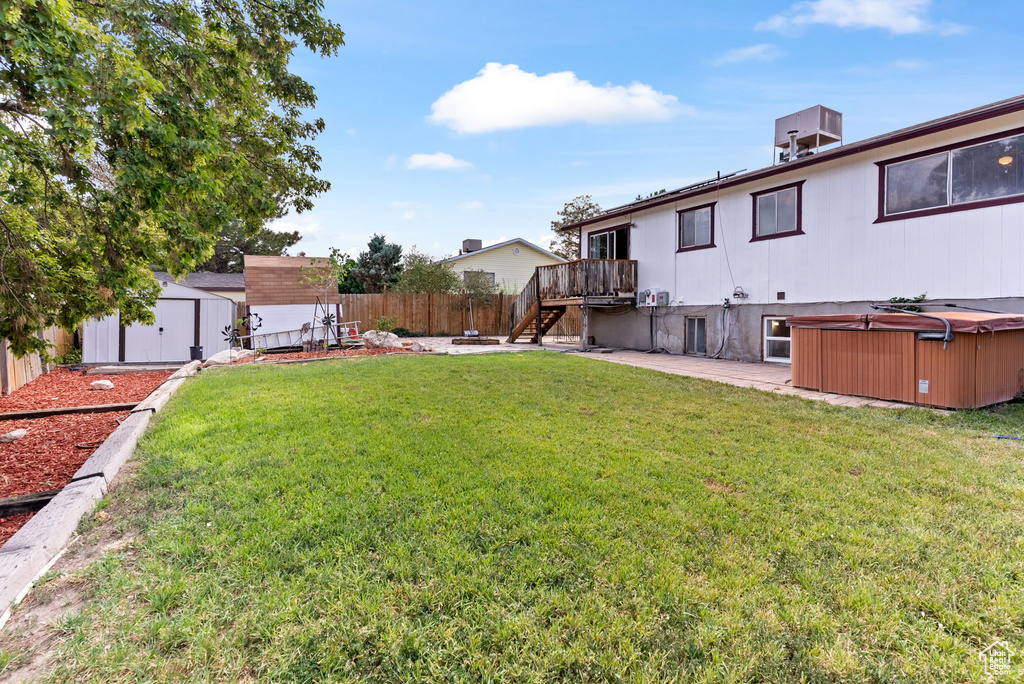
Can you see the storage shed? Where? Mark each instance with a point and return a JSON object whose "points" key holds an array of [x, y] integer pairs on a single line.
{"points": [[911, 358], [185, 317]]}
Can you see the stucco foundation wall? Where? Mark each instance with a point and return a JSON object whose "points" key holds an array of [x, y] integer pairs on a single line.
{"points": [[631, 328]]}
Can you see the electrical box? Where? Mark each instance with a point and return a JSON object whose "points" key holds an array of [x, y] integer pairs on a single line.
{"points": [[652, 298]]}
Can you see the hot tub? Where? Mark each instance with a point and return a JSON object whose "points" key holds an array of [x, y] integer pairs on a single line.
{"points": [[903, 357]]}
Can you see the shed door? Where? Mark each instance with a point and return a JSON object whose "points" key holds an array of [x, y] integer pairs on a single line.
{"points": [[168, 339]]}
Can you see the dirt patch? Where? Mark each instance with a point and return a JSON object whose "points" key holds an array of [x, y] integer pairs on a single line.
{"points": [[61, 388], [334, 353], [716, 486], [34, 629]]}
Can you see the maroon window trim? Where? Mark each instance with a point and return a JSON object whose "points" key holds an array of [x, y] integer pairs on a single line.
{"points": [[949, 208], [679, 228], [799, 185], [629, 238]]}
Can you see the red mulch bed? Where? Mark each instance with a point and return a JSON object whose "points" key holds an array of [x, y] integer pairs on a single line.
{"points": [[334, 353], [60, 388], [47, 458]]}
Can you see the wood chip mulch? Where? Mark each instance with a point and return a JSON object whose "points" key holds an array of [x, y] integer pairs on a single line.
{"points": [[334, 353], [46, 457], [61, 388]]}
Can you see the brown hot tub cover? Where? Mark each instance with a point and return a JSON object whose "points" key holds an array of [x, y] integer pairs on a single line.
{"points": [[830, 321], [958, 322]]}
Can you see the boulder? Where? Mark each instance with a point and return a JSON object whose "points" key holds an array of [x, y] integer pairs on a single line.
{"points": [[377, 339], [101, 385], [227, 357], [420, 347], [13, 435]]}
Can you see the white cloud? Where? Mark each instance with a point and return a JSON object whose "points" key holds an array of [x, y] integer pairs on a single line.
{"points": [[438, 160], [762, 52], [470, 206], [408, 215], [306, 224], [895, 16], [503, 96]]}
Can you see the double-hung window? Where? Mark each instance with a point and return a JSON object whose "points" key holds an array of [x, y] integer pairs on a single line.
{"points": [[978, 173], [696, 228], [611, 243], [777, 212]]}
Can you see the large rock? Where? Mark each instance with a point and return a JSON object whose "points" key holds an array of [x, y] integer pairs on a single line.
{"points": [[101, 385], [13, 435], [376, 339], [228, 357]]}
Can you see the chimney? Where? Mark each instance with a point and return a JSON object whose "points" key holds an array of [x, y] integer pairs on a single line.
{"points": [[471, 246]]}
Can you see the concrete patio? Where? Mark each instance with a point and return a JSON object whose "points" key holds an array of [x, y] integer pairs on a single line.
{"points": [[769, 377]]}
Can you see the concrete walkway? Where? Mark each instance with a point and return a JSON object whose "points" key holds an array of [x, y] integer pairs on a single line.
{"points": [[769, 377]]}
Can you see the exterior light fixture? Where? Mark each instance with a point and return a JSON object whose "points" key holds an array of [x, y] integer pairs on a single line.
{"points": [[1006, 161]]}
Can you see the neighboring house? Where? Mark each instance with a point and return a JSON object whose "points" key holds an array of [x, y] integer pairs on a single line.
{"points": [[230, 285], [276, 290], [185, 317], [510, 264], [934, 208]]}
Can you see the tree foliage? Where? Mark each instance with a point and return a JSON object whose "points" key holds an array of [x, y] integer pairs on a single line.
{"points": [[133, 132], [380, 265], [567, 242], [480, 286], [235, 242], [349, 284], [423, 273]]}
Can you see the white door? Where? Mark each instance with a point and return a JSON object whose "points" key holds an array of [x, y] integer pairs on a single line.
{"points": [[170, 336]]}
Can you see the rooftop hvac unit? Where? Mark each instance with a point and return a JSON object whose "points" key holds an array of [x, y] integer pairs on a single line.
{"points": [[472, 245], [814, 127]]}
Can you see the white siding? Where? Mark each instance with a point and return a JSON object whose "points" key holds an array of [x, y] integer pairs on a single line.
{"points": [[100, 339], [843, 255]]}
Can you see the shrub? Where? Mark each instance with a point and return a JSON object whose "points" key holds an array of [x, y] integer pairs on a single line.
{"points": [[386, 323]]}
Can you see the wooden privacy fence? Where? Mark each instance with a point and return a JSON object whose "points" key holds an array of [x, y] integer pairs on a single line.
{"points": [[428, 314]]}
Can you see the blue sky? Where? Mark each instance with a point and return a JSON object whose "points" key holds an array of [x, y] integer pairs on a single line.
{"points": [[452, 120]]}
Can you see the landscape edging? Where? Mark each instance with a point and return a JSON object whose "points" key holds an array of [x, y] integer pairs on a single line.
{"points": [[32, 548]]}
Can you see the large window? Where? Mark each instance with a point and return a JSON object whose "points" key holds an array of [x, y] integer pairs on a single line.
{"points": [[776, 340], [612, 243], [777, 212], [988, 171], [696, 228]]}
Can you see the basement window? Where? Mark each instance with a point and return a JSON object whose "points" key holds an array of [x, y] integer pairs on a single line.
{"points": [[979, 173], [776, 340], [696, 228], [777, 212], [696, 336]]}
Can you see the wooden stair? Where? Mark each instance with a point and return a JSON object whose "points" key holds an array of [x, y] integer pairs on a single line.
{"points": [[527, 325]]}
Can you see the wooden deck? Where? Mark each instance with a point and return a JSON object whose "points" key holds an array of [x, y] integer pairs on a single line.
{"points": [[582, 283]]}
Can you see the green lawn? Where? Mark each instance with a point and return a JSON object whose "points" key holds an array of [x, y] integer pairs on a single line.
{"points": [[546, 518]]}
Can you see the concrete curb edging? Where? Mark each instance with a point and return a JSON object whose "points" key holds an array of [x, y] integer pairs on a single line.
{"points": [[28, 553]]}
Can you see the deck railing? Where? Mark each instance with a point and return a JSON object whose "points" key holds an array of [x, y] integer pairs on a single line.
{"points": [[587, 277]]}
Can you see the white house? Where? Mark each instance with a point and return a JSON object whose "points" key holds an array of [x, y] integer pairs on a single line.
{"points": [[185, 317], [935, 208], [510, 264]]}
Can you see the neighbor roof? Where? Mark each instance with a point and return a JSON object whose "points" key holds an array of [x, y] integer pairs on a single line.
{"points": [[502, 244], [989, 111], [231, 282]]}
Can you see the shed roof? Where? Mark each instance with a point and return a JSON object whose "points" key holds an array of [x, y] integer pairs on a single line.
{"points": [[203, 280], [275, 280]]}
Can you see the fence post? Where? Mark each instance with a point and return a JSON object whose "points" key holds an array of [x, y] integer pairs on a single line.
{"points": [[540, 330]]}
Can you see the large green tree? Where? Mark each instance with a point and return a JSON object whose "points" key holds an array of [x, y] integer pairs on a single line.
{"points": [[424, 274], [567, 242], [131, 133], [380, 265], [235, 242]]}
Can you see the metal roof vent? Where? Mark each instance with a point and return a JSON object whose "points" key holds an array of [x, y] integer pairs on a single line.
{"points": [[472, 246], [810, 128]]}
